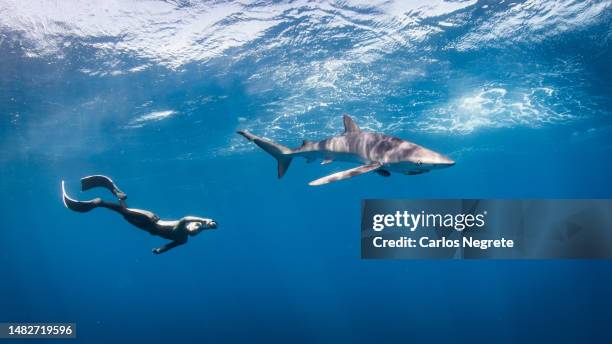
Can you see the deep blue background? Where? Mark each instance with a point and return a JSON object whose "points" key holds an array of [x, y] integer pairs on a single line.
{"points": [[284, 264]]}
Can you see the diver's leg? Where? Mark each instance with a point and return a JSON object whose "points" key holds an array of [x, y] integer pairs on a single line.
{"points": [[90, 182], [113, 206], [85, 206]]}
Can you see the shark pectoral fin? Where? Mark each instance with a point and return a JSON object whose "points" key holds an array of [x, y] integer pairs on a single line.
{"points": [[326, 161], [346, 174], [383, 173]]}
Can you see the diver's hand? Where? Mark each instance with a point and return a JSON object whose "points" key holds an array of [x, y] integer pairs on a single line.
{"points": [[169, 246]]}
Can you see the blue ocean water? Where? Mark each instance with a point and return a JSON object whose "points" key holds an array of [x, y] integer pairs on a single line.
{"points": [[151, 94]]}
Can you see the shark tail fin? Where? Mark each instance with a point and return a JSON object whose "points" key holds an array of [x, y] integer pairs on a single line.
{"points": [[280, 152]]}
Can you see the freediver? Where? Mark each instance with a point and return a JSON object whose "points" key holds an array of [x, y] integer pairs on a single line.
{"points": [[178, 231]]}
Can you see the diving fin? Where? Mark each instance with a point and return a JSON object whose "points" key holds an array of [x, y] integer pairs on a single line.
{"points": [[79, 206], [94, 181]]}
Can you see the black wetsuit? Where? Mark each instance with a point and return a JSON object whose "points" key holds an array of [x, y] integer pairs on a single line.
{"points": [[172, 230], [142, 219]]}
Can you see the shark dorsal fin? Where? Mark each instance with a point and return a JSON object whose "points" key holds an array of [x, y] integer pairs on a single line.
{"points": [[349, 125]]}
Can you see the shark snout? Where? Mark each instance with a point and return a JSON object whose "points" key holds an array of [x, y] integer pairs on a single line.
{"points": [[435, 160], [444, 162], [447, 162]]}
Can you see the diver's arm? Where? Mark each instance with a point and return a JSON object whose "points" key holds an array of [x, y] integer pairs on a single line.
{"points": [[169, 246]]}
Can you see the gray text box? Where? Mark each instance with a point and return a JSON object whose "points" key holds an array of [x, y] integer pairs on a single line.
{"points": [[537, 229], [37, 330]]}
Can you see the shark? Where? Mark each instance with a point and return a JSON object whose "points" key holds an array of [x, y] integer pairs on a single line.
{"points": [[374, 152]]}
